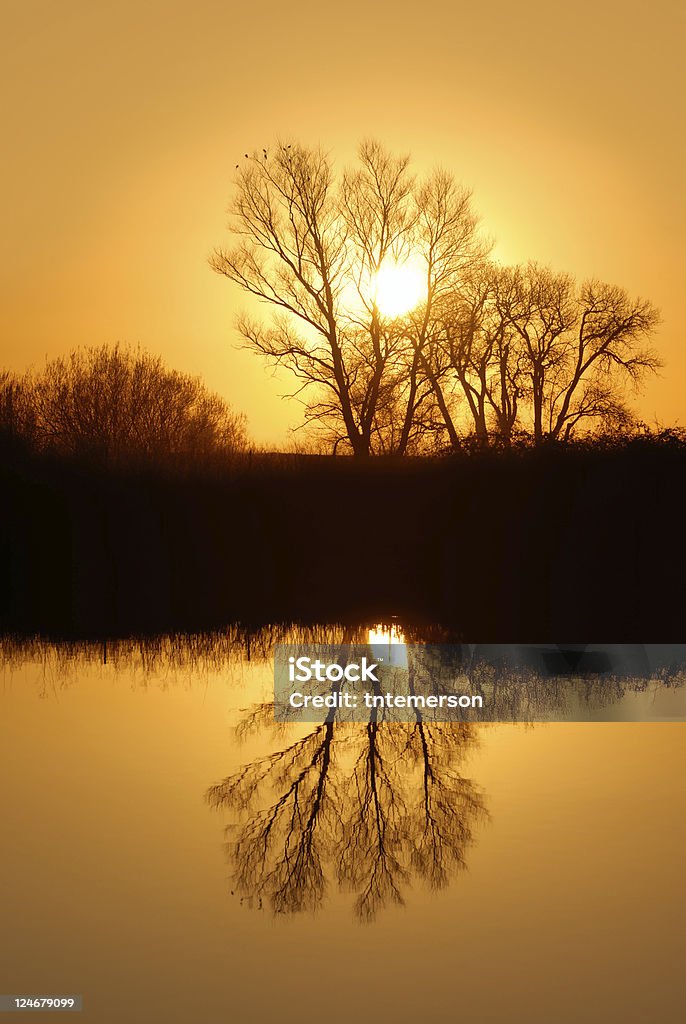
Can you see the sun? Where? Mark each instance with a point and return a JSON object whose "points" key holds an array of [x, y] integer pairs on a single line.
{"points": [[399, 287]]}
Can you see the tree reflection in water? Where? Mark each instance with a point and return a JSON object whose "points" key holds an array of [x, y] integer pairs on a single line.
{"points": [[365, 807], [368, 807]]}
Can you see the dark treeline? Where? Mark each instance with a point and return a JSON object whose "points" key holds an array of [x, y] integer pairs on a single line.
{"points": [[533, 543]]}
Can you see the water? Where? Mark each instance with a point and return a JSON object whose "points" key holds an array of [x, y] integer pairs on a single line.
{"points": [[481, 873]]}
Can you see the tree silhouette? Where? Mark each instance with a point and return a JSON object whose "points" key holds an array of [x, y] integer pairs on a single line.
{"points": [[306, 819], [526, 349], [310, 247], [117, 403], [489, 350], [17, 414], [579, 346]]}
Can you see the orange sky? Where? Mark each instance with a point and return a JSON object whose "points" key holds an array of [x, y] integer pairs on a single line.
{"points": [[121, 126]]}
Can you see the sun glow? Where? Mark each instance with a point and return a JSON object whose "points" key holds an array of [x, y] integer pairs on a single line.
{"points": [[399, 287]]}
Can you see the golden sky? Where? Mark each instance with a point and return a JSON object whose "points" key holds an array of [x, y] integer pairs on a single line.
{"points": [[122, 124]]}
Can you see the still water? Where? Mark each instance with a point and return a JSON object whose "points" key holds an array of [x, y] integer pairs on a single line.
{"points": [[171, 854]]}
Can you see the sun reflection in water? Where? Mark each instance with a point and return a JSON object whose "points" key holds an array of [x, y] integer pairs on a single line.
{"points": [[388, 644]]}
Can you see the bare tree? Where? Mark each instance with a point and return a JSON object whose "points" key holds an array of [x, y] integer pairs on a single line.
{"points": [[525, 348], [119, 404], [451, 248], [580, 345], [17, 415], [312, 249], [293, 255]]}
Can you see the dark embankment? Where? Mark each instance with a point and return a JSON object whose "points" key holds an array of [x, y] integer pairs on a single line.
{"points": [[583, 542]]}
